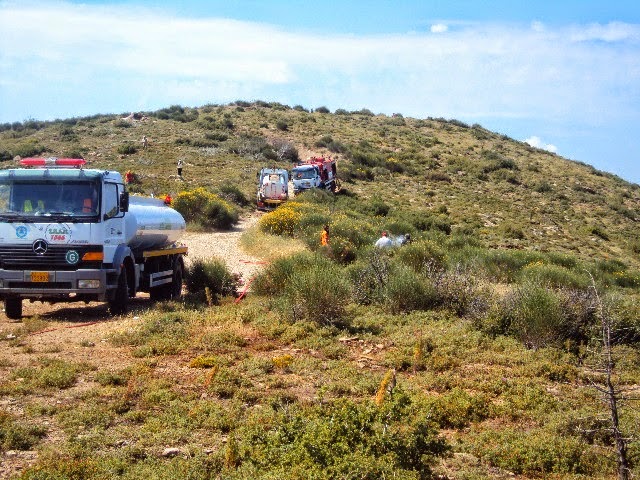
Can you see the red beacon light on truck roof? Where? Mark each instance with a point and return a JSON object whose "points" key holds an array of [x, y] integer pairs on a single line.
{"points": [[53, 162]]}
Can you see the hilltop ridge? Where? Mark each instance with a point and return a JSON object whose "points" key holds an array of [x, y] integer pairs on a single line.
{"points": [[506, 192]]}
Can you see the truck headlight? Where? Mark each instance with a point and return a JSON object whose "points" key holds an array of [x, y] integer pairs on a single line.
{"points": [[88, 283]]}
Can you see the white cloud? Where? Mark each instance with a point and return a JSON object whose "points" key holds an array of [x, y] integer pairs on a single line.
{"points": [[477, 71], [439, 28], [537, 26], [536, 142]]}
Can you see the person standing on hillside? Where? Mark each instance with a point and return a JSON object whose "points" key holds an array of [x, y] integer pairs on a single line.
{"points": [[180, 163], [324, 236], [145, 142], [384, 241]]}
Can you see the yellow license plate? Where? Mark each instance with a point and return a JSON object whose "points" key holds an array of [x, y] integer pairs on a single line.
{"points": [[39, 276]]}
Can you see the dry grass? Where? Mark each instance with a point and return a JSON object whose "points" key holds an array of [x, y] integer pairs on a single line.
{"points": [[269, 247]]}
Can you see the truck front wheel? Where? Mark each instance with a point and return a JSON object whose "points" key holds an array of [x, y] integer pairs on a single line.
{"points": [[120, 302], [13, 308]]}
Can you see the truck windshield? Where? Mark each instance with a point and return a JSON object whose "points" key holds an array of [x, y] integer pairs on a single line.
{"points": [[32, 199], [303, 174]]}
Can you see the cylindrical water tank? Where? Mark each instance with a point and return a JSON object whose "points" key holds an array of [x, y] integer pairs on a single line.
{"points": [[150, 224]]}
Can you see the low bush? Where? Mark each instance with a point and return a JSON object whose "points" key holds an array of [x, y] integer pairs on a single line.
{"points": [[282, 221], [212, 274], [406, 291], [535, 315], [369, 277], [28, 149], [423, 257], [277, 275], [233, 194], [205, 208], [536, 452], [160, 334], [15, 435], [127, 149], [342, 439], [458, 409], [539, 316], [458, 291], [319, 294], [553, 275], [50, 374]]}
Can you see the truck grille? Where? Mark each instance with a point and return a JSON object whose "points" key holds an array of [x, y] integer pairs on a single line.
{"points": [[22, 257], [41, 286]]}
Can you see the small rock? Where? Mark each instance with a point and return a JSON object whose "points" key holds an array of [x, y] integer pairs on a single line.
{"points": [[11, 336], [170, 452]]}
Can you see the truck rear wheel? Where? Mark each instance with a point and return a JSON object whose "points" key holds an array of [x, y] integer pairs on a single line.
{"points": [[120, 302], [13, 308], [176, 284]]}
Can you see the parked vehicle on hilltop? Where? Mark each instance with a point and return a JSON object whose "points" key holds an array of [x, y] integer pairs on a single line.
{"points": [[273, 188], [317, 172]]}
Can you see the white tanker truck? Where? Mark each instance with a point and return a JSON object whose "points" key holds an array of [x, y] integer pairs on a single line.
{"points": [[72, 234]]}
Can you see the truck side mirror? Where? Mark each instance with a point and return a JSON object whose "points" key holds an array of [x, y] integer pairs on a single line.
{"points": [[124, 202]]}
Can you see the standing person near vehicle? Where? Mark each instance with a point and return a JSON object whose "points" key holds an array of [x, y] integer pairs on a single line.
{"points": [[384, 241], [180, 164], [324, 236]]}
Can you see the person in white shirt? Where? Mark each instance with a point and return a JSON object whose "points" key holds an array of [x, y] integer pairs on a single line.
{"points": [[384, 241]]}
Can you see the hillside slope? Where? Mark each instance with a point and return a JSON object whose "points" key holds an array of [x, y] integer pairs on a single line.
{"points": [[509, 194]]}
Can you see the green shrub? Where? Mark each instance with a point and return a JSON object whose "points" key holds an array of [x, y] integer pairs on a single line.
{"points": [[553, 275], [205, 208], [406, 291], [50, 374], [458, 291], [358, 232], [458, 409], [598, 231], [423, 257], [127, 149], [212, 274], [425, 221], [319, 294], [536, 452], [377, 208], [219, 214], [339, 440], [163, 333], [15, 435], [28, 149], [277, 275], [369, 277], [233, 194], [539, 316], [105, 378]]}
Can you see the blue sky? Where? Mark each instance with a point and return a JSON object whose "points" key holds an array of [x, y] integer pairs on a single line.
{"points": [[562, 75]]}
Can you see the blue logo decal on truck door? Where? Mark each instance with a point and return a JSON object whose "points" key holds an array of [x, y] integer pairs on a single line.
{"points": [[21, 231]]}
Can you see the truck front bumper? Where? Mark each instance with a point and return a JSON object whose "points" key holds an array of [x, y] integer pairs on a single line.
{"points": [[54, 285]]}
